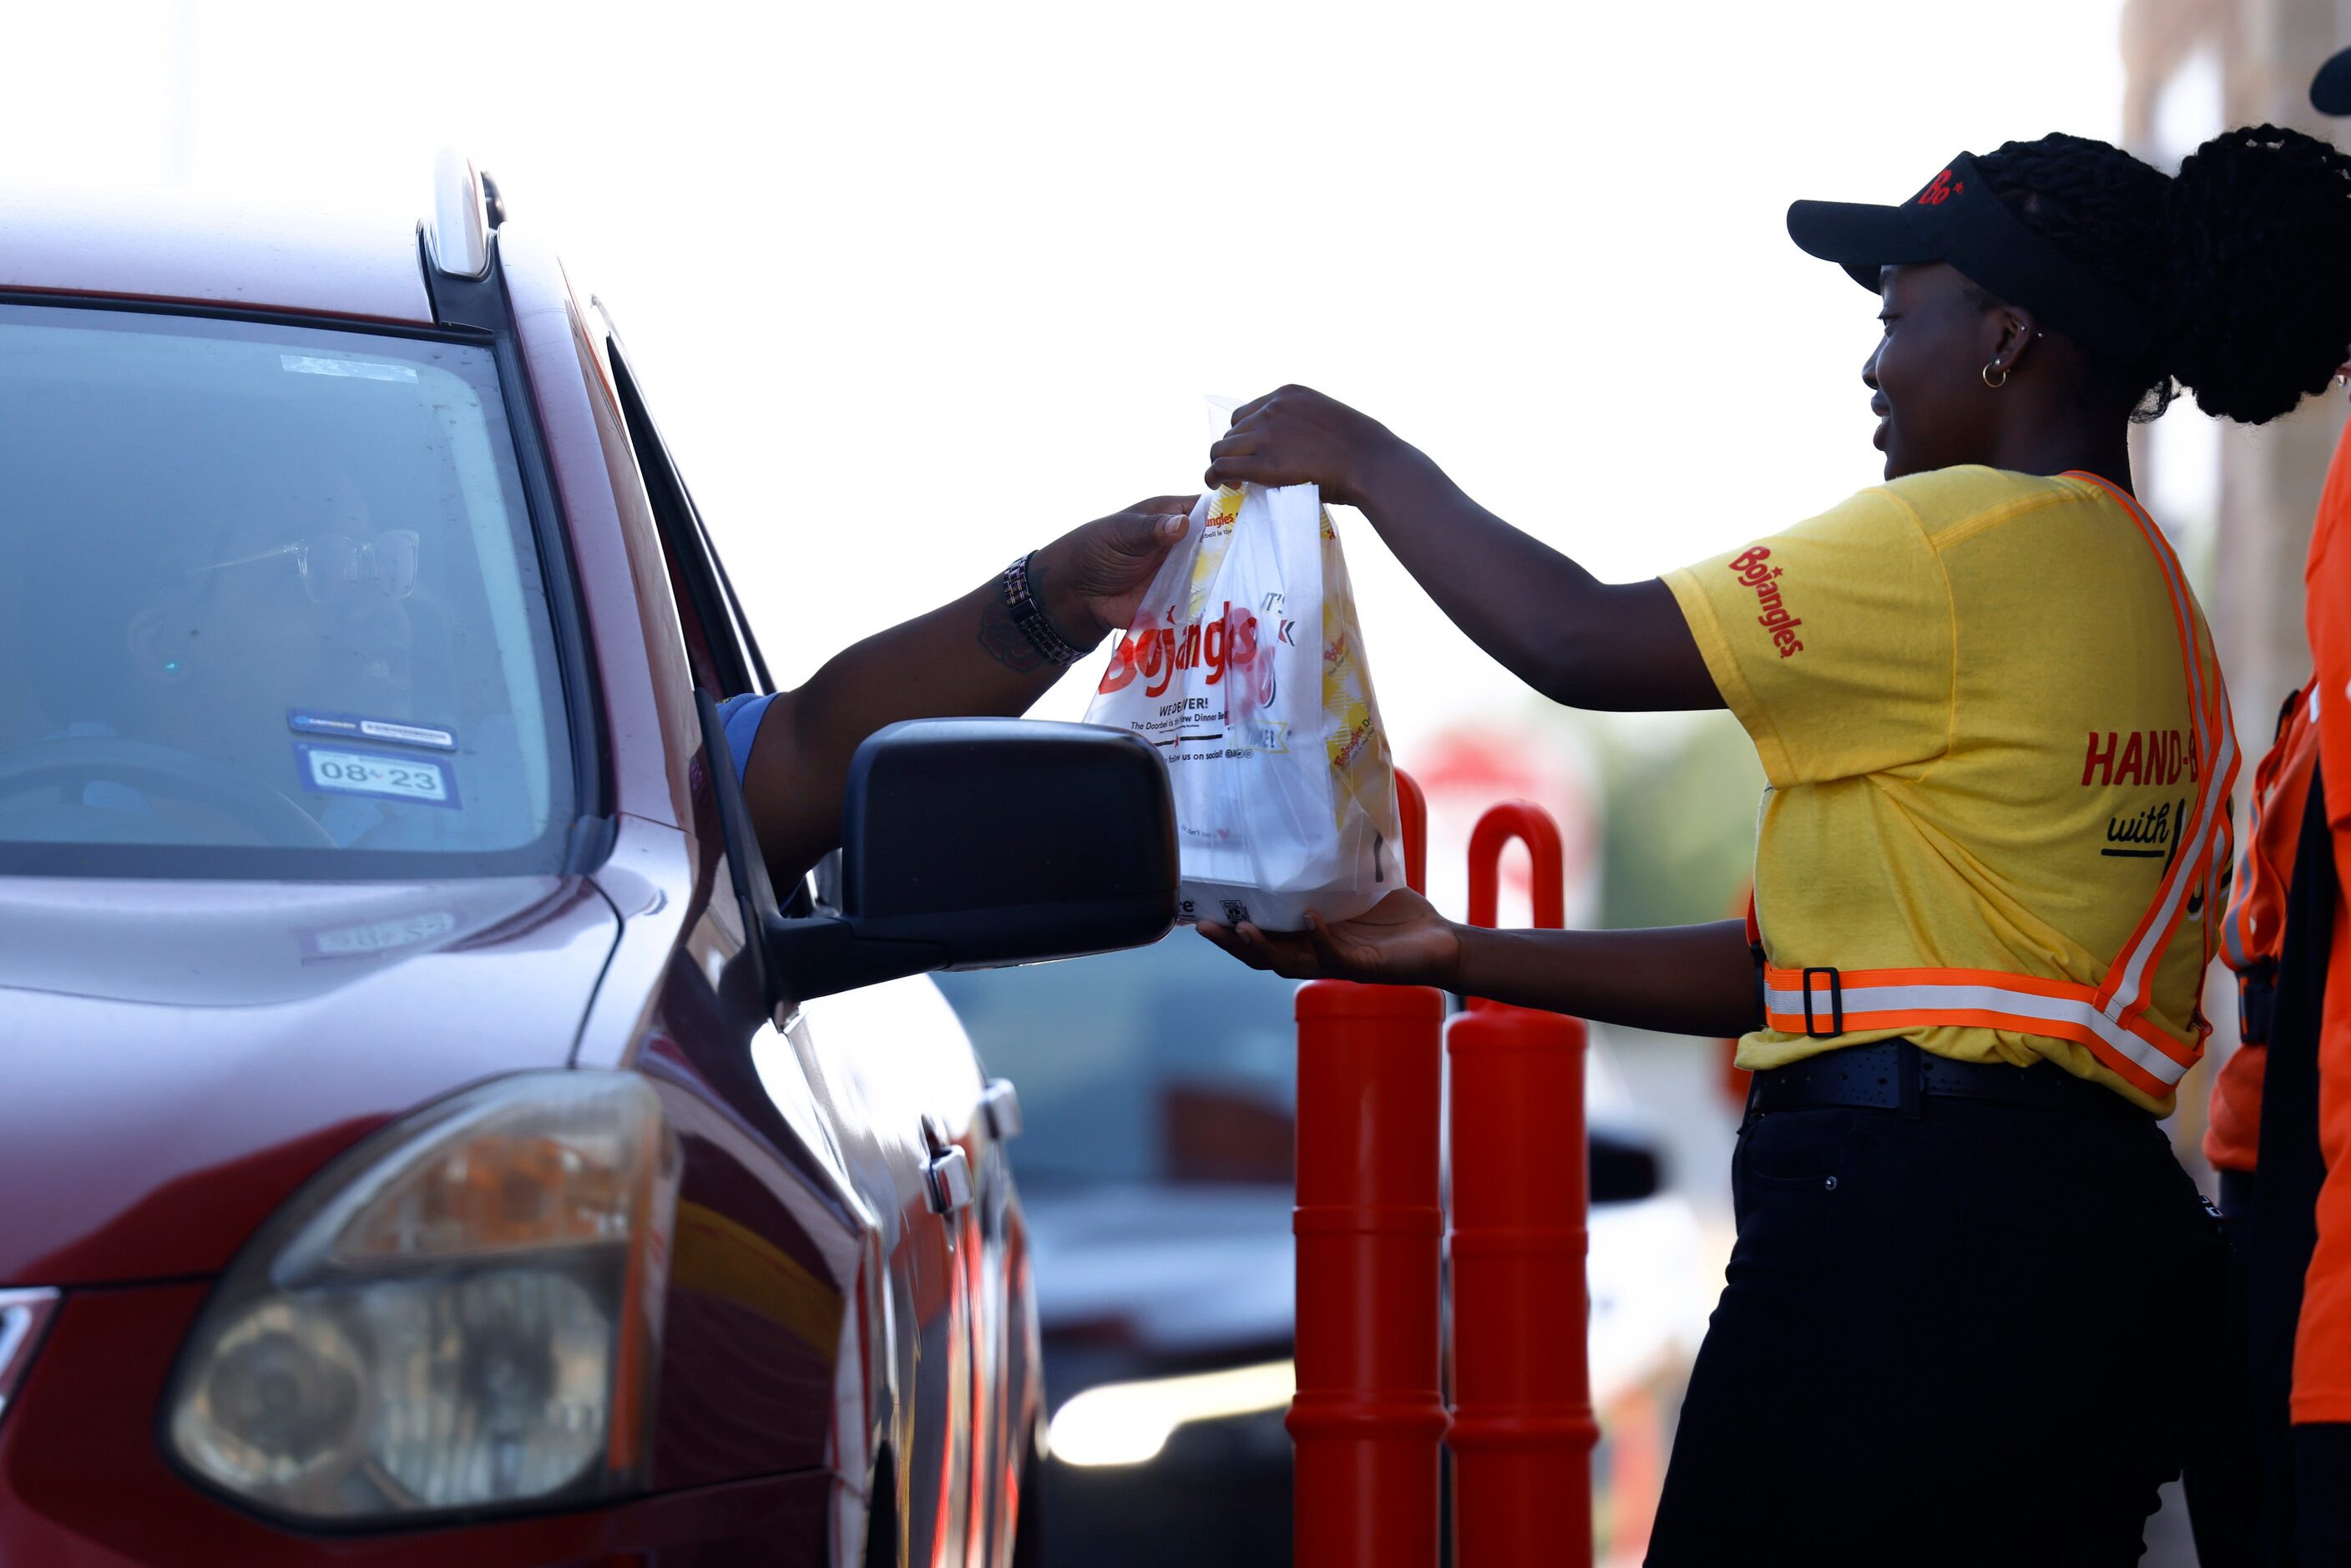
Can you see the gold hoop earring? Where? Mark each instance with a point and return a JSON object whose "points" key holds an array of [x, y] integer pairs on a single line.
{"points": [[1988, 369]]}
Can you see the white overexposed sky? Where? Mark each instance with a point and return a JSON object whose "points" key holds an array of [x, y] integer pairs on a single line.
{"points": [[917, 287]]}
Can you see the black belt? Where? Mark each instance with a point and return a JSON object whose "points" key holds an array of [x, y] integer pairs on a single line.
{"points": [[1895, 1074]]}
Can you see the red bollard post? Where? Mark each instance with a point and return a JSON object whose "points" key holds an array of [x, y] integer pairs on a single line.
{"points": [[1369, 1414], [1412, 821], [1522, 1426]]}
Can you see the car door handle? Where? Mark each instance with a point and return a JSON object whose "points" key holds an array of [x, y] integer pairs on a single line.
{"points": [[999, 1107], [947, 1174], [948, 1182]]}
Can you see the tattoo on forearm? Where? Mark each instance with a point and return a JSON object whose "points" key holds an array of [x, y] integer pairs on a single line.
{"points": [[1004, 641]]}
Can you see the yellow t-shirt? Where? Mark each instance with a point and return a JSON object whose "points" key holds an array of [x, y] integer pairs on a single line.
{"points": [[1966, 691]]}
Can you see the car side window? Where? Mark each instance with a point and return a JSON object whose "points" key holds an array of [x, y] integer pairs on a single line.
{"points": [[723, 655]]}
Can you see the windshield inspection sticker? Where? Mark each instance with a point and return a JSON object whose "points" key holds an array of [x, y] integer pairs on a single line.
{"points": [[378, 935], [358, 370], [390, 731], [333, 771]]}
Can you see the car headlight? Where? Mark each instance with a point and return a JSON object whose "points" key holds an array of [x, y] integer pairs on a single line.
{"points": [[463, 1311], [1130, 1422]]}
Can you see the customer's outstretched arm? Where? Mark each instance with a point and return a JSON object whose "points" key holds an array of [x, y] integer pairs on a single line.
{"points": [[968, 656]]}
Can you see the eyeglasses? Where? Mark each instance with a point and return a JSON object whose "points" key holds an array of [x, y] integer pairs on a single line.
{"points": [[332, 567]]}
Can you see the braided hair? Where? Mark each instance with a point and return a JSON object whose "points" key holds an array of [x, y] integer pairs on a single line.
{"points": [[2240, 256]]}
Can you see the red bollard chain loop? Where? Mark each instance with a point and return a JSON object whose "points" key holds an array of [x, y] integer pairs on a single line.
{"points": [[1369, 1414], [1522, 1425], [1546, 851]]}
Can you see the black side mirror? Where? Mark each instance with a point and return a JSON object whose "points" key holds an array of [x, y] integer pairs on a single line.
{"points": [[1625, 1164], [969, 843]]}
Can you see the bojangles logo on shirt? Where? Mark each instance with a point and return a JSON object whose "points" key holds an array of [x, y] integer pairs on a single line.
{"points": [[1753, 567]]}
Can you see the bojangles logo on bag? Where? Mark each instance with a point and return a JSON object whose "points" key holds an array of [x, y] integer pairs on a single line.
{"points": [[1229, 643]]}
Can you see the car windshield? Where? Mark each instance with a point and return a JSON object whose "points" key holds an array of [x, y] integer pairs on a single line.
{"points": [[270, 605], [1166, 1064]]}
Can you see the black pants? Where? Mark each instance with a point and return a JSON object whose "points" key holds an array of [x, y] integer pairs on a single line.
{"points": [[1961, 1337], [2262, 1492], [2233, 1455], [2322, 1475]]}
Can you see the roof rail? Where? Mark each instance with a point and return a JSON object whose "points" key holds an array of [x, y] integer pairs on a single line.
{"points": [[457, 230]]}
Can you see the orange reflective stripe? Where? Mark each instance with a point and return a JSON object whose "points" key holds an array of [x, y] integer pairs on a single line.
{"points": [[2138, 1051], [2130, 1070], [2181, 622], [2128, 986], [2237, 936], [2236, 940], [2255, 920], [1854, 979], [2027, 1004], [2109, 1017]]}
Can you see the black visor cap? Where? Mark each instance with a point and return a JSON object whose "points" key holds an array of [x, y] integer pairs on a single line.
{"points": [[1956, 218], [2330, 89], [1859, 237]]}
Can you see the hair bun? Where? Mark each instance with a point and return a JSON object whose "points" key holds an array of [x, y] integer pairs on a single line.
{"points": [[2257, 296]]}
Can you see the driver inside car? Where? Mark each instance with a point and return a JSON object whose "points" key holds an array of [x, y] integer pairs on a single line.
{"points": [[191, 659], [319, 622]]}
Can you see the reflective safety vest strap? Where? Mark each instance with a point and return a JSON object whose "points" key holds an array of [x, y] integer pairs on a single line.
{"points": [[1825, 1003], [2130, 984], [2281, 782], [2110, 1018]]}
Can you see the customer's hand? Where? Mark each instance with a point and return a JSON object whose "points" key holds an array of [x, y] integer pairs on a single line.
{"points": [[1298, 436], [1091, 579], [1401, 940]]}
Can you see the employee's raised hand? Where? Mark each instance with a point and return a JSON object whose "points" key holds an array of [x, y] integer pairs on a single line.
{"points": [[1091, 579], [1298, 436], [1401, 940]]}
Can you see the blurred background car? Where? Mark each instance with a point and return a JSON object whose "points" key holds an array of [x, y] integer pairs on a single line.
{"points": [[1159, 1089]]}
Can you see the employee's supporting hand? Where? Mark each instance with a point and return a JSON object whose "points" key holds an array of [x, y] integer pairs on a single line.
{"points": [[1683, 979], [1401, 940], [1298, 436]]}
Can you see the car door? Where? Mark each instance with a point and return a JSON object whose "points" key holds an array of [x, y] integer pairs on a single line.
{"points": [[890, 1075]]}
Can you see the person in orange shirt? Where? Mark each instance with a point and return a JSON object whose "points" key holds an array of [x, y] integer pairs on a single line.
{"points": [[2241, 1452], [2251, 934], [2280, 1132]]}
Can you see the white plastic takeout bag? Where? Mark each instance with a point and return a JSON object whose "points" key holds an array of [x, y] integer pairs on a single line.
{"points": [[1244, 666]]}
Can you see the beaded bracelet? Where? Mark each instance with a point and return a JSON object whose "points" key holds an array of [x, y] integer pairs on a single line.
{"points": [[1029, 616]]}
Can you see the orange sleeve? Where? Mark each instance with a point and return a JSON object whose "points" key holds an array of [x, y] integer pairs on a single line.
{"points": [[2322, 1359], [2321, 1343], [2254, 929], [2232, 1138], [2326, 616]]}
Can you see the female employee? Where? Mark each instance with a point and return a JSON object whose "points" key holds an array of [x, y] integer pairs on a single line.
{"points": [[996, 649], [1960, 1320]]}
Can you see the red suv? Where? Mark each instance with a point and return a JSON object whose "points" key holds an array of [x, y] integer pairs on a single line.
{"points": [[426, 1136]]}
